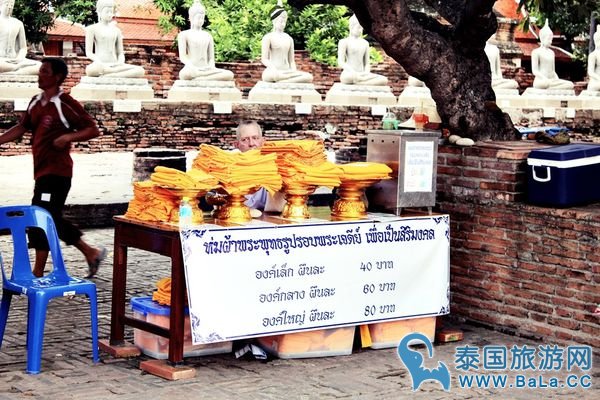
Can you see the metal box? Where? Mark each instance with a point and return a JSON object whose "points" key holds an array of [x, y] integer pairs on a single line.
{"points": [[412, 156]]}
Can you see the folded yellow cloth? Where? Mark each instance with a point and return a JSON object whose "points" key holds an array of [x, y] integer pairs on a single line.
{"points": [[175, 179], [237, 172], [365, 170]]}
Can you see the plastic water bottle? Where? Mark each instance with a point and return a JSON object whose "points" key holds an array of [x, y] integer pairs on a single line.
{"points": [[389, 121], [185, 213]]}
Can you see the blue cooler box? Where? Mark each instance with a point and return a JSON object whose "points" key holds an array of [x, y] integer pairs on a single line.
{"points": [[564, 176]]}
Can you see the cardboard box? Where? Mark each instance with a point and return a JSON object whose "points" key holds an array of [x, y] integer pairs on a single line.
{"points": [[389, 334], [564, 176], [319, 343], [145, 309]]}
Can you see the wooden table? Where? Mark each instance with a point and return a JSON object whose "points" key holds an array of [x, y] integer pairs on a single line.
{"points": [[163, 239]]}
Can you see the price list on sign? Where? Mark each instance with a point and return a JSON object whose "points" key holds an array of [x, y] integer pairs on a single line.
{"points": [[261, 280]]}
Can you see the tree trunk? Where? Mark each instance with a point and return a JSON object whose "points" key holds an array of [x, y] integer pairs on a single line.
{"points": [[446, 53], [461, 88]]}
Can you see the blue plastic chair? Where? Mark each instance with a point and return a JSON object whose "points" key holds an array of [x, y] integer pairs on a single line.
{"points": [[39, 291]]}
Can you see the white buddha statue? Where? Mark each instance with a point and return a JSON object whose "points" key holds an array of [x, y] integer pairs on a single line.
{"points": [[196, 50], [13, 44], [104, 46], [593, 67], [277, 52], [493, 55], [354, 58], [542, 64]]}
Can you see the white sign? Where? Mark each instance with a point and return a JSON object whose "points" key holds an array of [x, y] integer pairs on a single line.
{"points": [[222, 107], [378, 110], [127, 105], [418, 166], [303, 108], [255, 281], [21, 104]]}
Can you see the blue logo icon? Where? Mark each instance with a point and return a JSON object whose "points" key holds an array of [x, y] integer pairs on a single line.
{"points": [[413, 360]]}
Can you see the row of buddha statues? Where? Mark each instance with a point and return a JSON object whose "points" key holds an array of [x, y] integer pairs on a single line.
{"points": [[109, 76]]}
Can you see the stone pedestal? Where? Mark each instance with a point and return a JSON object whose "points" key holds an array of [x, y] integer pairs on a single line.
{"points": [[18, 86], [102, 88], [589, 99], [415, 96], [506, 92], [279, 92], [504, 100], [548, 97], [197, 91], [341, 93]]}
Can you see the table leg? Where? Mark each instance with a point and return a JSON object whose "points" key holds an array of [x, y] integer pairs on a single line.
{"points": [[117, 326], [178, 293]]}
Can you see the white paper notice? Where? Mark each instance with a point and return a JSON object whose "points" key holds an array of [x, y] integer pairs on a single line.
{"points": [[418, 166], [255, 281], [127, 105]]}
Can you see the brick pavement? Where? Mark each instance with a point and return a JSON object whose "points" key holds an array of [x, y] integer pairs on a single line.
{"points": [[68, 373]]}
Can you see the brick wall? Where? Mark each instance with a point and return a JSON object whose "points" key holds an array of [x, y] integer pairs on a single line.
{"points": [[518, 268], [186, 126]]}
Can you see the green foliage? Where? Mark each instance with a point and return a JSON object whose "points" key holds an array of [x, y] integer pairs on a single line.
{"points": [[78, 11], [36, 18], [318, 29], [238, 26], [569, 17], [175, 11], [375, 56]]}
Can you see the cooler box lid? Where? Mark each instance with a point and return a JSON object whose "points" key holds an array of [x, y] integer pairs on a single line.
{"points": [[145, 306], [570, 155]]}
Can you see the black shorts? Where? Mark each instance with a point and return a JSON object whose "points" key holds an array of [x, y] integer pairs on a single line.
{"points": [[51, 192]]}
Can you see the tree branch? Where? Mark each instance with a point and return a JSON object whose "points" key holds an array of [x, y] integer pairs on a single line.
{"points": [[450, 10]]}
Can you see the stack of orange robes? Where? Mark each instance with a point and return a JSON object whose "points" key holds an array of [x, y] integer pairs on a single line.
{"points": [[162, 294], [363, 171], [149, 205], [156, 201], [175, 179], [239, 173], [303, 163]]}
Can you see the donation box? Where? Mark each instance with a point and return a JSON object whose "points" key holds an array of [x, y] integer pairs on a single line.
{"points": [[412, 156]]}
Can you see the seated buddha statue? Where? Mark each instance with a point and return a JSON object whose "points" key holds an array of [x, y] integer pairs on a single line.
{"points": [[493, 55], [104, 46], [542, 64], [13, 44], [196, 50], [593, 67], [354, 58], [277, 52]]}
